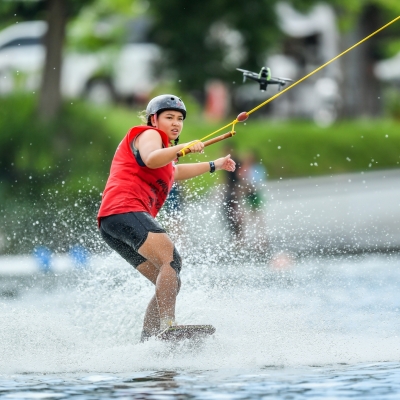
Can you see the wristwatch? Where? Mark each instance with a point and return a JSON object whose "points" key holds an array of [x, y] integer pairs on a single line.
{"points": [[212, 167]]}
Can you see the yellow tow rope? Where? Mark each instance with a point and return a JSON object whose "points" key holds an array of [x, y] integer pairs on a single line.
{"points": [[244, 115]]}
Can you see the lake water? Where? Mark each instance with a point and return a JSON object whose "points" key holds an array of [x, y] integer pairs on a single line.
{"points": [[315, 327]]}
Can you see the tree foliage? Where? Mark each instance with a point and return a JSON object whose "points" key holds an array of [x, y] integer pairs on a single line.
{"points": [[39, 155], [103, 24], [209, 40], [56, 13], [350, 13], [18, 10], [358, 19]]}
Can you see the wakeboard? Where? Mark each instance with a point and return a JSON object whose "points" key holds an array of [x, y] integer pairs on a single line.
{"points": [[181, 332]]}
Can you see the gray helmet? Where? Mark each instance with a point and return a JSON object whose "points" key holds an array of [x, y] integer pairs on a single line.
{"points": [[165, 102]]}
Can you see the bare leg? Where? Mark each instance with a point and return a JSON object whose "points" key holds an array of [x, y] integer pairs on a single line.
{"points": [[151, 323], [158, 250]]}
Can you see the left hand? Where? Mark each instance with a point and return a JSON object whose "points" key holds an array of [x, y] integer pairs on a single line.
{"points": [[225, 163]]}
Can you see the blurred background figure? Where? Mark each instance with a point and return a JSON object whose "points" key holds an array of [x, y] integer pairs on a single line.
{"points": [[173, 208], [232, 201], [43, 255], [253, 177], [173, 204], [216, 105], [282, 260], [80, 256]]}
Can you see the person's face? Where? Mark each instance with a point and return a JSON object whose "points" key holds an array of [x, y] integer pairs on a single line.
{"points": [[171, 122]]}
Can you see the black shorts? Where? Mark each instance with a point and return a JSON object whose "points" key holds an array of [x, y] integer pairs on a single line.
{"points": [[125, 233]]}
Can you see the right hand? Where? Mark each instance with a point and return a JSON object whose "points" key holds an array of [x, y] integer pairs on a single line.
{"points": [[196, 147]]}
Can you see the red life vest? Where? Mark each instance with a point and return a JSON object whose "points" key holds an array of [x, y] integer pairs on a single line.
{"points": [[131, 187]]}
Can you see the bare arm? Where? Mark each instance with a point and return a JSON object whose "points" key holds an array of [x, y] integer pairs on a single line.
{"points": [[149, 144], [187, 171]]}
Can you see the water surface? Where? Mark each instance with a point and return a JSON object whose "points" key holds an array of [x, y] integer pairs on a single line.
{"points": [[316, 328]]}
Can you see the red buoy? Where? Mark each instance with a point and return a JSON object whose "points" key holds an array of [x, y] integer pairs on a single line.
{"points": [[242, 116]]}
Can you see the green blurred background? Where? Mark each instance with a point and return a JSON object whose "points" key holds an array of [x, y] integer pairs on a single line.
{"points": [[56, 147]]}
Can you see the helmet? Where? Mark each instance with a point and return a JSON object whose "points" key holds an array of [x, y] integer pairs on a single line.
{"points": [[165, 102]]}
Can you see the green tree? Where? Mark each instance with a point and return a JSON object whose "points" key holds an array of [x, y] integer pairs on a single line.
{"points": [[56, 13], [50, 93], [67, 140], [111, 15], [204, 40]]}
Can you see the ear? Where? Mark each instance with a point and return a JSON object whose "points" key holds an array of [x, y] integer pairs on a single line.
{"points": [[153, 119]]}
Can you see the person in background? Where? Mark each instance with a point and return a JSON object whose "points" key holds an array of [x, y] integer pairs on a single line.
{"points": [[173, 203], [253, 176], [232, 199], [173, 215], [141, 176]]}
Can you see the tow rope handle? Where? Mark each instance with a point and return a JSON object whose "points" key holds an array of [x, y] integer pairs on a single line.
{"points": [[187, 150]]}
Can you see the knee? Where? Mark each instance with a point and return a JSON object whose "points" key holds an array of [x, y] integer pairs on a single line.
{"points": [[176, 263]]}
